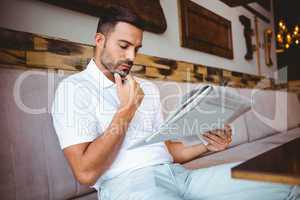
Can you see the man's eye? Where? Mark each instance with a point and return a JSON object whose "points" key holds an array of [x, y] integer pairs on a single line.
{"points": [[123, 47]]}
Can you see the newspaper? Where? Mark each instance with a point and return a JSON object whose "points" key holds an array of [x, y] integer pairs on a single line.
{"points": [[203, 109]]}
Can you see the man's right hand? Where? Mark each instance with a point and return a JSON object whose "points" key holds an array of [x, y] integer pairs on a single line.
{"points": [[130, 93]]}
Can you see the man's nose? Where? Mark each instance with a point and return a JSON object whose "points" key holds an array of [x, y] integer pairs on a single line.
{"points": [[130, 55]]}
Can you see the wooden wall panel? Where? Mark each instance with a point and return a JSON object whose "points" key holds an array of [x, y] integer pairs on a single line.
{"points": [[27, 51]]}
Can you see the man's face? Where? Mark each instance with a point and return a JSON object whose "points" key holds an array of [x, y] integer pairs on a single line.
{"points": [[121, 46]]}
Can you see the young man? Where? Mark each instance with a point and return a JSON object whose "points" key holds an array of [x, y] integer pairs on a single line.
{"points": [[100, 111]]}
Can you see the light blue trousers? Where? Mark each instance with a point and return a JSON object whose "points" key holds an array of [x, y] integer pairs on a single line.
{"points": [[174, 182]]}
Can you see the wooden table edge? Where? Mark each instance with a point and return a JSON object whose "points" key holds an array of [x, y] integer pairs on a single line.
{"points": [[264, 177]]}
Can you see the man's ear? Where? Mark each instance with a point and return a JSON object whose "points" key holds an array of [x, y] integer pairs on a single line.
{"points": [[100, 40]]}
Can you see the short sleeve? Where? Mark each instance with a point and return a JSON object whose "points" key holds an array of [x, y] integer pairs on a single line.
{"points": [[73, 114]]}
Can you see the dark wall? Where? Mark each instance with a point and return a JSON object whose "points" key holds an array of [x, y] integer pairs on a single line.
{"points": [[288, 10], [290, 58]]}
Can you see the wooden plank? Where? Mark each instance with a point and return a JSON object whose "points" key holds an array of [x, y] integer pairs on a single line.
{"points": [[52, 61], [213, 79], [251, 84], [227, 73], [182, 76], [153, 73], [257, 176], [15, 40], [201, 69], [12, 57], [19, 48], [149, 61], [185, 67], [52, 53]]}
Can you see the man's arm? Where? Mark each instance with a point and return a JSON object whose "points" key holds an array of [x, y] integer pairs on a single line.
{"points": [[91, 159], [182, 154], [218, 140]]}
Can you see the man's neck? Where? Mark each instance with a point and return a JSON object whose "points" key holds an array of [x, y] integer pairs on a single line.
{"points": [[103, 69]]}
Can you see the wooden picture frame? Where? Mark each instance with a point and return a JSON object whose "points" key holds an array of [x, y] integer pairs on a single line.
{"points": [[203, 30], [150, 12]]}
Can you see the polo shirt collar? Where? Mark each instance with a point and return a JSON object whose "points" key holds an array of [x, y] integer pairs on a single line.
{"points": [[98, 75]]}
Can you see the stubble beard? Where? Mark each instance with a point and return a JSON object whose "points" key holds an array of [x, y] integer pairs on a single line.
{"points": [[106, 61]]}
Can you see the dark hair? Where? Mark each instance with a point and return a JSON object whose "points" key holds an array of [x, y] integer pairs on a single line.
{"points": [[113, 14]]}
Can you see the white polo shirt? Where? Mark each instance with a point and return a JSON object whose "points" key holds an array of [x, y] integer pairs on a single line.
{"points": [[83, 108]]}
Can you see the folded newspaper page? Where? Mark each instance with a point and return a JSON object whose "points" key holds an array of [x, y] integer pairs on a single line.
{"points": [[204, 109]]}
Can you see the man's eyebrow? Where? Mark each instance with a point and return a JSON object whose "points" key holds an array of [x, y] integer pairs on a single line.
{"points": [[130, 43]]}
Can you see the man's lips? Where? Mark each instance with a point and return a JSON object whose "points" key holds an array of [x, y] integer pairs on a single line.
{"points": [[125, 67]]}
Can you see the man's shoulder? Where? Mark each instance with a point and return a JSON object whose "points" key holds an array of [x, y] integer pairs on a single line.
{"points": [[77, 85], [74, 78], [78, 79], [73, 88]]}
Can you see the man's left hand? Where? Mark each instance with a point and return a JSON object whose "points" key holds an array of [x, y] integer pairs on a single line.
{"points": [[218, 139]]}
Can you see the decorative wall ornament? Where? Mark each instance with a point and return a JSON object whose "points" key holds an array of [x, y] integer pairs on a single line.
{"points": [[150, 12], [204, 30], [268, 34], [248, 33], [257, 46]]}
